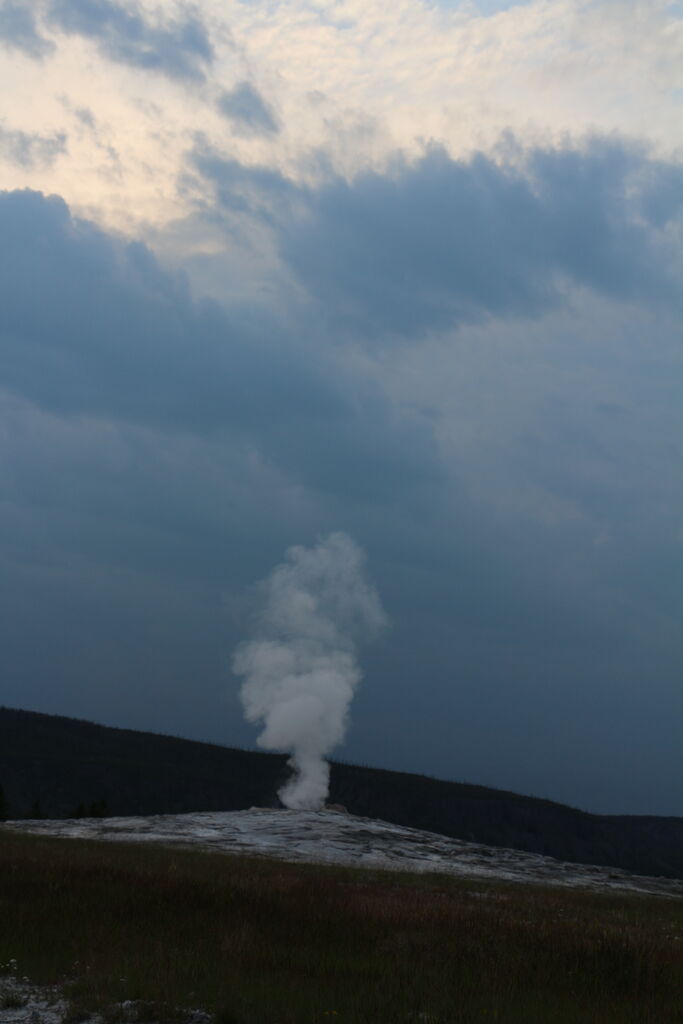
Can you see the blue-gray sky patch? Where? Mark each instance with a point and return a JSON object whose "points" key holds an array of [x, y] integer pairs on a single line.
{"points": [[18, 30], [30, 150], [179, 48], [246, 109]]}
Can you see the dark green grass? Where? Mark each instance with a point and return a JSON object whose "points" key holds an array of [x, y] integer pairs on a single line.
{"points": [[264, 942]]}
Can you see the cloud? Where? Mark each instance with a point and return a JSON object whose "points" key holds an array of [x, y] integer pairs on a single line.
{"points": [[439, 242], [510, 466], [115, 336], [242, 188], [470, 361], [248, 111], [178, 48], [30, 150], [356, 82], [18, 30], [662, 193], [170, 451]]}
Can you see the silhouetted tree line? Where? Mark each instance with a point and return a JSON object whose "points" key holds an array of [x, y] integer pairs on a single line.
{"points": [[94, 809], [82, 769]]}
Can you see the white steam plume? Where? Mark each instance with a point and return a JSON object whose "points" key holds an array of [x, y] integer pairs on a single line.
{"points": [[300, 669]]}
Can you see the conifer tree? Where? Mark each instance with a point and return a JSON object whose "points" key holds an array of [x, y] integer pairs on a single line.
{"points": [[36, 809], [4, 806]]}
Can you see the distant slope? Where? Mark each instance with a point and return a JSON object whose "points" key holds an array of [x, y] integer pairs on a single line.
{"points": [[57, 766]]}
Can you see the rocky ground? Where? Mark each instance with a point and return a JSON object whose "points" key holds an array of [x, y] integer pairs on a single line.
{"points": [[24, 1003]]}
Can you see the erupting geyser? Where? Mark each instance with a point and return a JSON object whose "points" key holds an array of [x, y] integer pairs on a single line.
{"points": [[300, 669]]}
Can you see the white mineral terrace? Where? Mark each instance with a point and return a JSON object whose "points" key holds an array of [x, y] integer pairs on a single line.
{"points": [[337, 838]]}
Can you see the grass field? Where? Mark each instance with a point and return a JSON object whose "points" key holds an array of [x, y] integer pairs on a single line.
{"points": [[264, 942]]}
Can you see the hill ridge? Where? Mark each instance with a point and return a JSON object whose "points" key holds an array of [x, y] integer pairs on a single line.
{"points": [[56, 766]]}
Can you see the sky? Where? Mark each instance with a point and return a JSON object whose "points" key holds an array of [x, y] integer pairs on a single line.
{"points": [[408, 270]]}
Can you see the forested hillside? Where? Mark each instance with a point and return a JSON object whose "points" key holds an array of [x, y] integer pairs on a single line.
{"points": [[59, 767]]}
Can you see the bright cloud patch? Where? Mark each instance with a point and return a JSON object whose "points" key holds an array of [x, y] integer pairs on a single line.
{"points": [[341, 86]]}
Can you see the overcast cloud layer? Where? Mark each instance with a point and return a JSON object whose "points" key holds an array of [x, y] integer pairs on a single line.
{"points": [[409, 271]]}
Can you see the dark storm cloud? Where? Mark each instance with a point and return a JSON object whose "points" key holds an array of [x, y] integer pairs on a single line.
{"points": [[18, 30], [30, 150], [261, 191], [113, 335], [178, 48], [439, 242], [248, 111], [153, 453], [157, 452], [662, 193]]}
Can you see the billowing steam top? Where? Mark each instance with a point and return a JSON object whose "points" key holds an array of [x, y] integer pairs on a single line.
{"points": [[300, 669]]}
